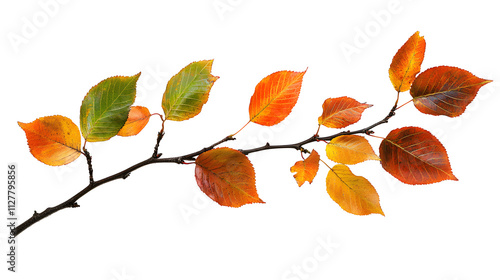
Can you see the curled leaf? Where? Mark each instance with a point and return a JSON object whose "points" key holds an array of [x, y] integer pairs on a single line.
{"points": [[350, 149], [445, 90], [227, 177], [53, 140], [188, 91], [414, 156], [105, 108], [274, 97], [305, 170], [138, 118], [406, 63], [354, 194], [341, 112]]}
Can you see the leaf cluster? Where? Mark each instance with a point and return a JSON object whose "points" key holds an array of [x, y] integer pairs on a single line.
{"points": [[410, 154]]}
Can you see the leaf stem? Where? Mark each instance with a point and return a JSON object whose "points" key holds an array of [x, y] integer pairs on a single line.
{"points": [[404, 104], [232, 135]]}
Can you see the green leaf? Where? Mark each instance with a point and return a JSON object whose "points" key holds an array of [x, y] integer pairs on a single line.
{"points": [[105, 108], [188, 90]]}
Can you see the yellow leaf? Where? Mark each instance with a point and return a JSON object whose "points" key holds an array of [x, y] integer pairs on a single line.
{"points": [[350, 149], [352, 193]]}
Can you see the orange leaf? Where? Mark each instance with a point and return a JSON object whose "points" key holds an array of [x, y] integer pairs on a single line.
{"points": [[445, 90], [305, 170], [138, 118], [352, 193], [406, 63], [227, 177], [350, 149], [341, 112], [414, 156], [274, 97], [53, 140]]}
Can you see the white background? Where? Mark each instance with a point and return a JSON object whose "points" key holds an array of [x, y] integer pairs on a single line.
{"points": [[158, 225]]}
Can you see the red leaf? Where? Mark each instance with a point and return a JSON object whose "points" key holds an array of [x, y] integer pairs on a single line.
{"points": [[414, 156], [274, 97], [445, 90], [227, 177], [406, 63], [305, 170], [341, 112]]}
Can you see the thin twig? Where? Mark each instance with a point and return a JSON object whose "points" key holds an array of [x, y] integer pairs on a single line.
{"points": [[155, 158]]}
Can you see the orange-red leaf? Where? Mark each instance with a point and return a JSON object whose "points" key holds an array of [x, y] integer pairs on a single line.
{"points": [[350, 149], [305, 170], [352, 193], [53, 140], [227, 177], [414, 156], [445, 90], [138, 118], [274, 97], [341, 111], [406, 63]]}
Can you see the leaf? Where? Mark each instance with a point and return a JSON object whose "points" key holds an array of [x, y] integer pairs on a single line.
{"points": [[406, 63], [305, 170], [445, 90], [352, 193], [105, 108], [53, 140], [414, 156], [188, 90], [274, 97], [350, 149], [227, 177], [138, 118], [341, 112]]}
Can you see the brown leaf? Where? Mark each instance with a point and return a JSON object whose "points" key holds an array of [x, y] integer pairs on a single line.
{"points": [[227, 177], [414, 156], [341, 112], [445, 90]]}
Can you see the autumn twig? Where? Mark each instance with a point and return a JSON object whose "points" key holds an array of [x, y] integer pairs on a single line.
{"points": [[155, 158]]}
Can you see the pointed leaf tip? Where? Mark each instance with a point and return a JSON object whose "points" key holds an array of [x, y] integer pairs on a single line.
{"points": [[341, 112], [407, 62], [414, 156], [105, 108], [354, 194], [274, 97], [445, 90], [350, 149], [227, 176], [53, 140], [188, 91]]}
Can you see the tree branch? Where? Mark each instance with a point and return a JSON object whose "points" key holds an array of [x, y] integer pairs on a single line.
{"points": [[315, 138], [155, 158]]}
